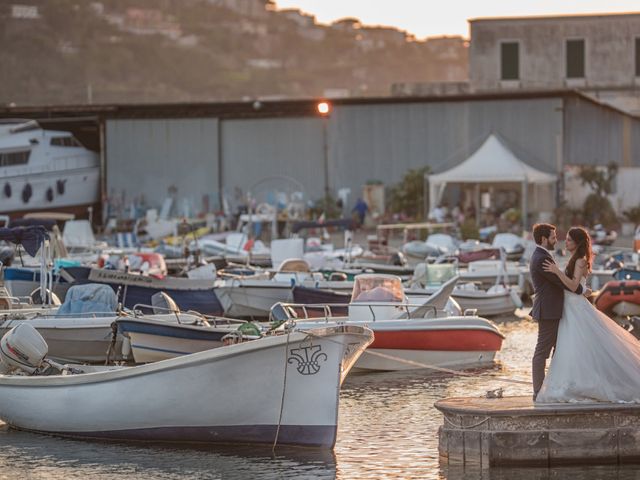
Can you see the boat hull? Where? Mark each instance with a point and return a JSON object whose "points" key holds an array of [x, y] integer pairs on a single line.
{"points": [[153, 341], [230, 394], [73, 339], [392, 359]]}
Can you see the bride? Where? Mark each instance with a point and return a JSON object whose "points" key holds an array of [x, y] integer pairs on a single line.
{"points": [[595, 359]]}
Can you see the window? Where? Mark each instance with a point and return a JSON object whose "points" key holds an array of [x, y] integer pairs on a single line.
{"points": [[637, 56], [575, 58], [65, 142], [14, 158], [510, 61]]}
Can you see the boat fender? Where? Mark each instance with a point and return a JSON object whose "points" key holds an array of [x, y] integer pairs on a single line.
{"points": [[7, 190], [49, 195], [60, 186], [517, 301], [126, 347], [27, 191]]}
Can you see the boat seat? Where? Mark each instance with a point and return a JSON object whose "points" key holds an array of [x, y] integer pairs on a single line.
{"points": [[163, 302]]}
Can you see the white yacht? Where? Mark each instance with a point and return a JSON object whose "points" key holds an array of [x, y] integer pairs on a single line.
{"points": [[45, 169]]}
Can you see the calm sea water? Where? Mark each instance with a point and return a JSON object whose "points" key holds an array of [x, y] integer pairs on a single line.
{"points": [[388, 429]]}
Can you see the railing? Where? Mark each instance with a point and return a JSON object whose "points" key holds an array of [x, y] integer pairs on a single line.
{"points": [[291, 310], [208, 320]]}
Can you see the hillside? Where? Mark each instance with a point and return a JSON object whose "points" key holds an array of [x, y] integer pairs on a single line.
{"points": [[124, 51]]}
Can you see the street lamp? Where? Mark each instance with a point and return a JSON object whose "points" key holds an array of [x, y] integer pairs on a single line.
{"points": [[324, 108]]}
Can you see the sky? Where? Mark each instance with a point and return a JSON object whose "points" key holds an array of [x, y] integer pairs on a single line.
{"points": [[428, 18]]}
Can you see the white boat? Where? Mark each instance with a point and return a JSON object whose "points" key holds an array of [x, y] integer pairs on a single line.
{"points": [[490, 272], [152, 338], [77, 331], [45, 169], [282, 389], [254, 297], [499, 299], [407, 336]]}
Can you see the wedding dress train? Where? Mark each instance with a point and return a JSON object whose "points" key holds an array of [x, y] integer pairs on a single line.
{"points": [[595, 359]]}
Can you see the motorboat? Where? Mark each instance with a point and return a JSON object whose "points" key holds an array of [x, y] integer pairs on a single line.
{"points": [[278, 390], [45, 169], [136, 288], [513, 245], [158, 337], [253, 297], [79, 330], [498, 299], [436, 245], [619, 297], [407, 336]]}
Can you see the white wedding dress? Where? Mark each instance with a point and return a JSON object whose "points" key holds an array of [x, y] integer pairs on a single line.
{"points": [[595, 359]]}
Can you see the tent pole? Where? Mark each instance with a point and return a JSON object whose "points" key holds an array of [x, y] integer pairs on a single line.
{"points": [[477, 195], [525, 220]]}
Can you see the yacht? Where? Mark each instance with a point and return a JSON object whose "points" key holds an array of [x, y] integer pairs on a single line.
{"points": [[45, 169]]}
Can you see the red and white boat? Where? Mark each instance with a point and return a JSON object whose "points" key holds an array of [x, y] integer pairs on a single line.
{"points": [[407, 336]]}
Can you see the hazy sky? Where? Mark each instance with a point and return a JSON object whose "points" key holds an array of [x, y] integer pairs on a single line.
{"points": [[426, 18]]}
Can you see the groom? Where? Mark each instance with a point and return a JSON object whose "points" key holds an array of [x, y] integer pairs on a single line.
{"points": [[547, 302]]}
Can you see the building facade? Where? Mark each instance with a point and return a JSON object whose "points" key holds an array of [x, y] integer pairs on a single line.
{"points": [[597, 54]]}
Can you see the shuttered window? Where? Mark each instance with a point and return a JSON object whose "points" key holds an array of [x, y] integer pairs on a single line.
{"points": [[637, 56], [575, 58], [510, 61]]}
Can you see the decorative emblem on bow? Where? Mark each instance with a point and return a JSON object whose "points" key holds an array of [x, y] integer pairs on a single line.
{"points": [[308, 359]]}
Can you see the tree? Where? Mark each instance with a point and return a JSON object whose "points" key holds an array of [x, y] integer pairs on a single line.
{"points": [[597, 207], [407, 197]]}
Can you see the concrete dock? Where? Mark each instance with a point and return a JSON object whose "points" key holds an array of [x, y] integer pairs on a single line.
{"points": [[516, 432]]}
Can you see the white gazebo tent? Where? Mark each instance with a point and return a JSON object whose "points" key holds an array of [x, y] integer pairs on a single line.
{"points": [[493, 162]]}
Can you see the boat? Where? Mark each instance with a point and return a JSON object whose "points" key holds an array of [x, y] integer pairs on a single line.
{"points": [[498, 299], [619, 297], [154, 338], [253, 297], [513, 245], [407, 336], [436, 245], [278, 390], [188, 293], [45, 169]]}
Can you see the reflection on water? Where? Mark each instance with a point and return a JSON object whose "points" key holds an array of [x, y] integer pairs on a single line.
{"points": [[26, 455], [388, 429]]}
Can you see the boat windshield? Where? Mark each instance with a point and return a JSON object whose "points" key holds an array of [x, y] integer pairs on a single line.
{"points": [[377, 288]]}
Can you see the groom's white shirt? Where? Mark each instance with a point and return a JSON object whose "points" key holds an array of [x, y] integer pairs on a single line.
{"points": [[546, 250]]}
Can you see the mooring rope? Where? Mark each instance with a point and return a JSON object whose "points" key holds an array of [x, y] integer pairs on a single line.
{"points": [[464, 427], [425, 365], [284, 388]]}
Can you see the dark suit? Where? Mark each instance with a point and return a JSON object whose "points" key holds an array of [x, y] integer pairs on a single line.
{"points": [[547, 310]]}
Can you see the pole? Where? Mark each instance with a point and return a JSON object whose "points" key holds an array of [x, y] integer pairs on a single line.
{"points": [[325, 151]]}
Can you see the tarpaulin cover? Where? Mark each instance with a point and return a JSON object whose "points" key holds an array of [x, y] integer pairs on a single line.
{"points": [[29, 237]]}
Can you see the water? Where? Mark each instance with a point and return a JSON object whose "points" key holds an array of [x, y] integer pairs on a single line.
{"points": [[388, 429]]}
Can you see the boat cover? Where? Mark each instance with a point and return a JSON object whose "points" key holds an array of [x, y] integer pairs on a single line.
{"points": [[89, 298], [29, 237]]}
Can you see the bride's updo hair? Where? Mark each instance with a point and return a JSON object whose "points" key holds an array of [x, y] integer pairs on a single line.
{"points": [[583, 249]]}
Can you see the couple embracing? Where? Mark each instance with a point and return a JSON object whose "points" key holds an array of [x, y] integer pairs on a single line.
{"points": [[594, 359]]}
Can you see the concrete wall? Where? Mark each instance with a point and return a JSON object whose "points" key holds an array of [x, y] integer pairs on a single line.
{"points": [[609, 51]]}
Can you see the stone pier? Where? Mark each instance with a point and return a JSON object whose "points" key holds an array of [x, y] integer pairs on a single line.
{"points": [[514, 431]]}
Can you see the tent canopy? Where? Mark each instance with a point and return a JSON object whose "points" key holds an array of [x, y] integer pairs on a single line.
{"points": [[492, 162]]}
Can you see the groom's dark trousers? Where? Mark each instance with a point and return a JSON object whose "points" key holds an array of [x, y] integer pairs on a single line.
{"points": [[547, 311]]}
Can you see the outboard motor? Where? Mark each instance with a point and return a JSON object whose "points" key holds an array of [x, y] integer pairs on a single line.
{"points": [[22, 348]]}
